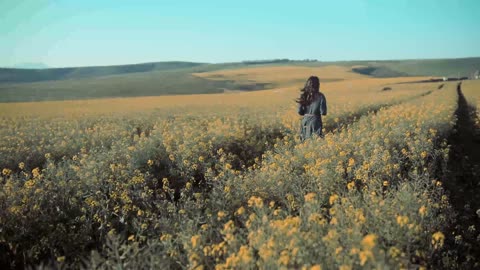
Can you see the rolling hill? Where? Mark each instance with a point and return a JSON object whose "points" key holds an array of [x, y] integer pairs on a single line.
{"points": [[180, 78]]}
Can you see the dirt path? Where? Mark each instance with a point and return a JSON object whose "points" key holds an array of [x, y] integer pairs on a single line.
{"points": [[463, 186]]}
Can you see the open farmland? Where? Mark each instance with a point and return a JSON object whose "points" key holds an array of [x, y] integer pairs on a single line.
{"points": [[188, 78], [222, 180]]}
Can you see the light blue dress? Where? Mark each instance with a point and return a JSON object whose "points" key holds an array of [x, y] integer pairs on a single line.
{"points": [[312, 117]]}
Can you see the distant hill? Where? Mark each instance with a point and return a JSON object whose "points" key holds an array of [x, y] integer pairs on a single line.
{"points": [[12, 75], [173, 78], [150, 79], [460, 67]]}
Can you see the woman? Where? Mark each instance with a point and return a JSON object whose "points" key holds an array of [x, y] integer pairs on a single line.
{"points": [[312, 105]]}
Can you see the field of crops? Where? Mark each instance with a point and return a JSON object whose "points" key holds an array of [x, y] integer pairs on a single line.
{"points": [[222, 181]]}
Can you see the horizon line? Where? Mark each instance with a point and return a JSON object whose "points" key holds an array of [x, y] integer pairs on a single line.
{"points": [[235, 62]]}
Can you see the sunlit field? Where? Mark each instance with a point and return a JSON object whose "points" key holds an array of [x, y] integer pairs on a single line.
{"points": [[222, 181]]}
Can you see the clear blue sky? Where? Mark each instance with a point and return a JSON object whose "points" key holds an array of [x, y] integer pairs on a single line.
{"points": [[103, 32]]}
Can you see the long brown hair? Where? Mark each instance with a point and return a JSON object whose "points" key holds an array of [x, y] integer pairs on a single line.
{"points": [[309, 91]]}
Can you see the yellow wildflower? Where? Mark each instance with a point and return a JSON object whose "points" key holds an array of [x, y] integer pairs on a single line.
{"points": [[437, 240], [368, 242], [240, 211], [255, 201], [422, 211], [402, 220], [284, 258], [36, 173], [351, 162], [195, 240], [166, 237], [221, 215], [351, 185], [394, 252], [310, 197], [6, 172], [333, 199]]}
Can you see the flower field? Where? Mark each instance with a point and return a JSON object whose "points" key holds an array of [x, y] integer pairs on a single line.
{"points": [[223, 182]]}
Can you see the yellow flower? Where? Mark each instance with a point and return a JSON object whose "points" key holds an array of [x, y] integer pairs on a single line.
{"points": [[394, 252], [351, 162], [368, 242], [36, 172], [350, 185], [240, 211], [422, 211], [228, 226], [255, 201], [21, 165], [195, 240], [310, 197], [150, 162], [437, 240], [402, 220], [221, 215], [166, 237], [333, 199], [334, 221], [364, 256], [244, 254], [284, 258], [6, 172], [316, 267], [271, 204], [29, 183], [131, 237], [61, 259]]}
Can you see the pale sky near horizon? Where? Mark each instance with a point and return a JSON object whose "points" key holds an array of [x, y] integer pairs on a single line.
{"points": [[63, 33]]}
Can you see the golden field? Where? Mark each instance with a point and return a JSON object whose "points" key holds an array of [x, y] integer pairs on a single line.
{"points": [[222, 181], [288, 81]]}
